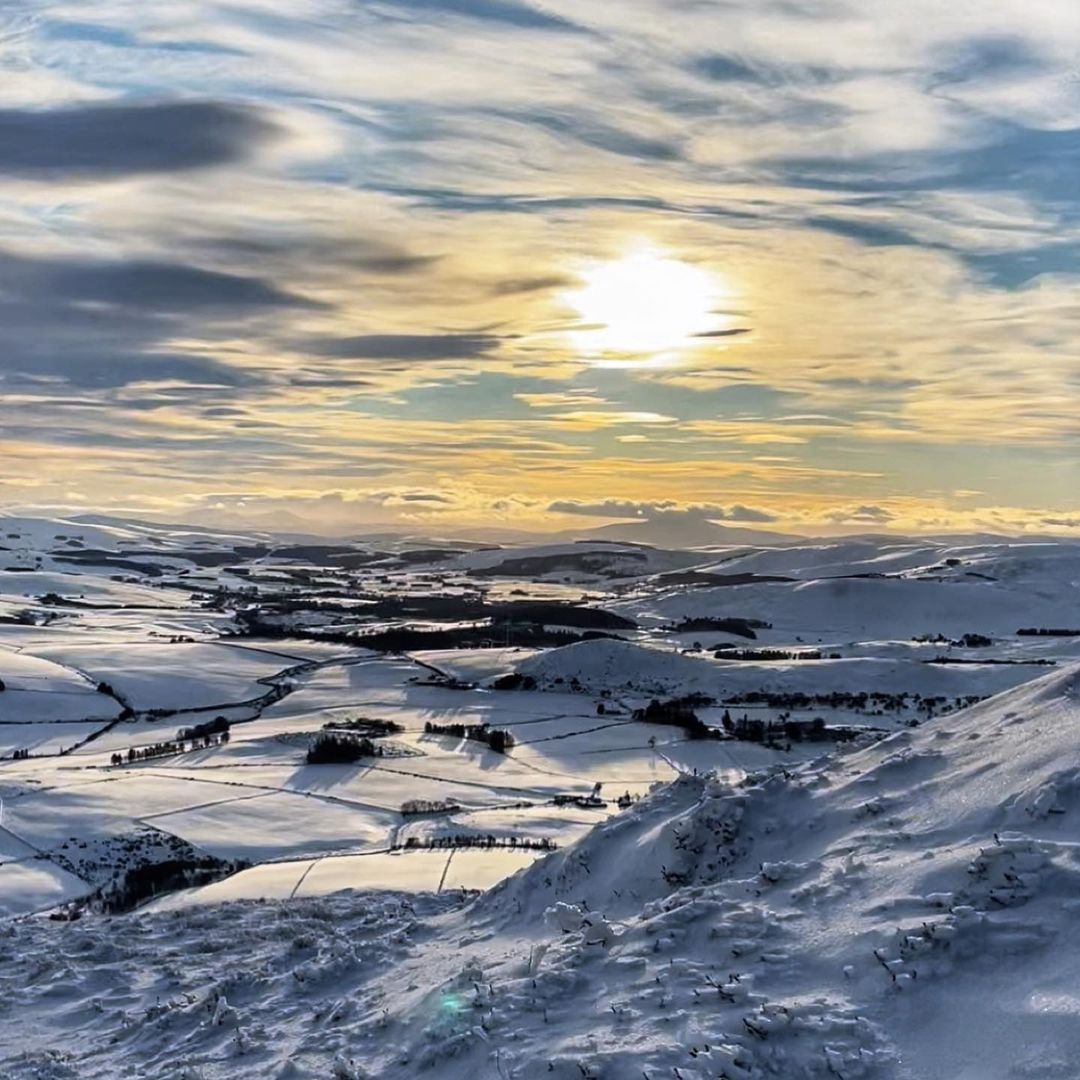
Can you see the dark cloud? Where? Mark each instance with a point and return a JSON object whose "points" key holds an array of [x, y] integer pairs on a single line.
{"points": [[988, 56], [471, 202], [67, 361], [118, 140], [404, 346], [424, 497], [725, 68], [163, 288], [338, 252], [505, 12], [517, 286], [223, 412], [652, 511], [871, 233], [719, 67], [102, 324], [735, 331]]}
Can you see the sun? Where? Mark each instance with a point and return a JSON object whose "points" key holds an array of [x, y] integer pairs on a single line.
{"points": [[644, 302]]}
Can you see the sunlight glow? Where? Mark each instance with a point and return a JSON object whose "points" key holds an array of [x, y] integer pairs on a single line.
{"points": [[643, 303]]}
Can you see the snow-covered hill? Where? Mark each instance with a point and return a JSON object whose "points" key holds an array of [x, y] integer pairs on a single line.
{"points": [[643, 670], [42, 534], [581, 560], [855, 608], [903, 911], [900, 911]]}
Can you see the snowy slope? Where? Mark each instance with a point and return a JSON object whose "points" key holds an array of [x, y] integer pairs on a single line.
{"points": [[645, 670], [37, 690], [18, 531], [1031, 562], [904, 912], [174, 676], [845, 608]]}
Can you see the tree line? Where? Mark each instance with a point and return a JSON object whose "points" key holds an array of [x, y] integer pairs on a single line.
{"points": [[469, 840], [496, 738], [169, 748]]}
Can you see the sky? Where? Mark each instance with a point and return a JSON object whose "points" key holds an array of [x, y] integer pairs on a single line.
{"points": [[802, 265]]}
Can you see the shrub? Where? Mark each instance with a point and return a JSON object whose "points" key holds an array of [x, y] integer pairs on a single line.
{"points": [[428, 806], [514, 681], [365, 725]]}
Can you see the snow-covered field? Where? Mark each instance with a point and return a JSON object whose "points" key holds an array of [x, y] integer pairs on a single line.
{"points": [[896, 904]]}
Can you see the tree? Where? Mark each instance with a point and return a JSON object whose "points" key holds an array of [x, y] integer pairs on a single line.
{"points": [[329, 749]]}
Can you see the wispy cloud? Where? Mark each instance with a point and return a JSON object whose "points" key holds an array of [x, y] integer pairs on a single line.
{"points": [[298, 247]]}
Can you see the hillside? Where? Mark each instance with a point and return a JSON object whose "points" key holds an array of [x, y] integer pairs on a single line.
{"points": [[899, 912], [643, 670]]}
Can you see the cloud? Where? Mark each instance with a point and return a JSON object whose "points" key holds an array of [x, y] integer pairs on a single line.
{"points": [[590, 131], [596, 419], [651, 511], [887, 199], [862, 515], [156, 287], [561, 399], [515, 286], [110, 322], [94, 141], [984, 56], [721, 68], [396, 498], [342, 253], [507, 13], [404, 346]]}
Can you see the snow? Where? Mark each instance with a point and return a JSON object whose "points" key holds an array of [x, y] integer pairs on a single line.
{"points": [[838, 609], [40, 534], [901, 911], [473, 664], [31, 885], [257, 827], [893, 910], [53, 737], [85, 587], [647, 670], [174, 676], [39, 691], [411, 871]]}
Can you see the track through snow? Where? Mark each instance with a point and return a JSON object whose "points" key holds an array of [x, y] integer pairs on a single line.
{"points": [[904, 911]]}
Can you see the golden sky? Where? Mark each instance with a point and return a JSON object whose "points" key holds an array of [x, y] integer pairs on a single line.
{"points": [[804, 266]]}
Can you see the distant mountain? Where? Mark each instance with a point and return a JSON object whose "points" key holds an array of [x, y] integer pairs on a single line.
{"points": [[684, 531]]}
